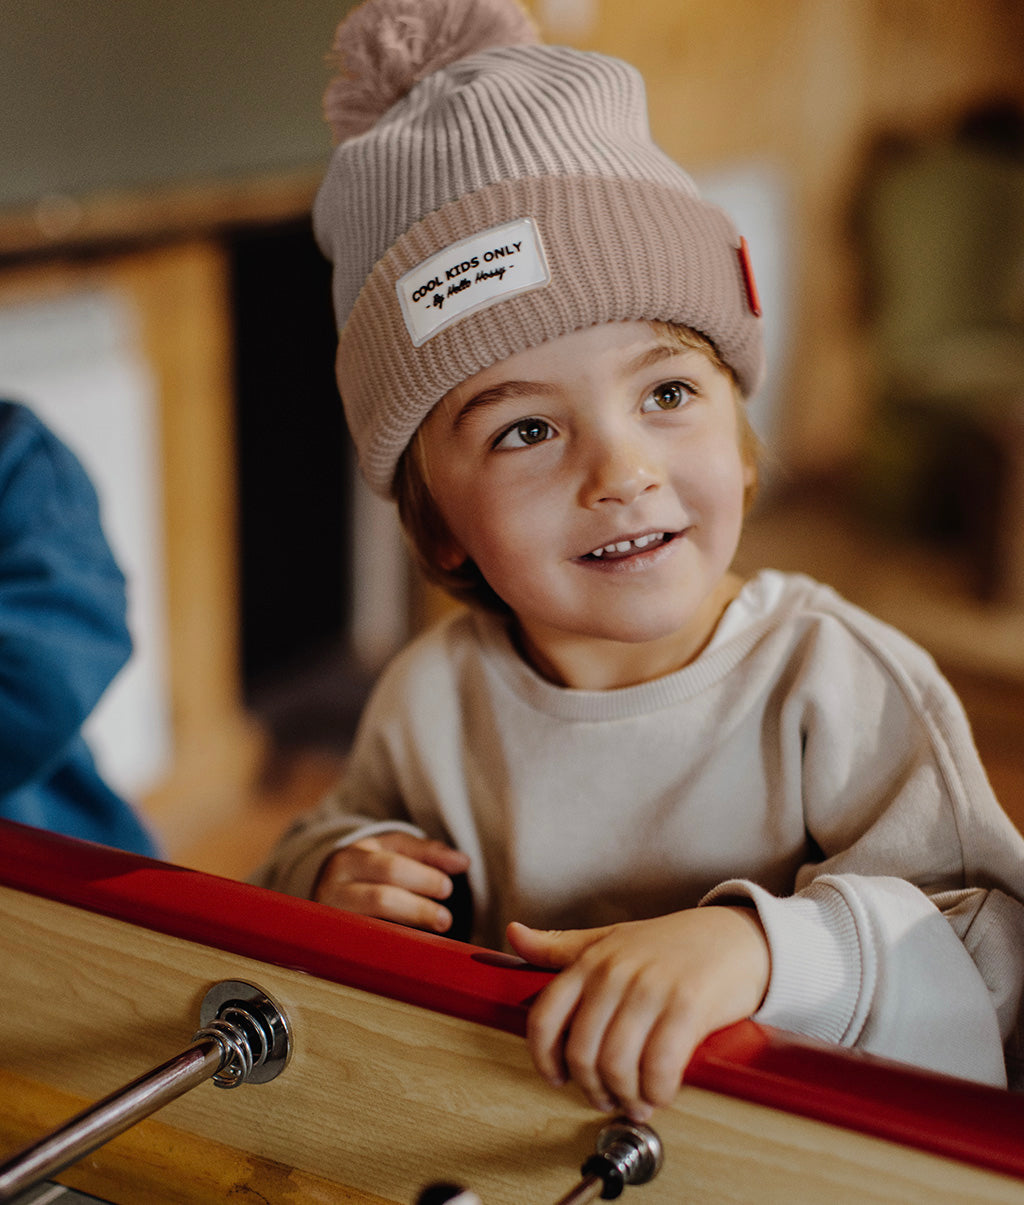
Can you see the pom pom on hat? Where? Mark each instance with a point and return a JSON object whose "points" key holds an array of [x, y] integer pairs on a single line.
{"points": [[385, 47]]}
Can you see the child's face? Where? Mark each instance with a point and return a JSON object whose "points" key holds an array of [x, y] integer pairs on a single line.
{"points": [[597, 482]]}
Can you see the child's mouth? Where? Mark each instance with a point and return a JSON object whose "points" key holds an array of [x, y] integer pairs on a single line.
{"points": [[625, 548]]}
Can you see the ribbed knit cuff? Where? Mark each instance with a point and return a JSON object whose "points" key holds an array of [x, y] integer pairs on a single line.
{"points": [[819, 984]]}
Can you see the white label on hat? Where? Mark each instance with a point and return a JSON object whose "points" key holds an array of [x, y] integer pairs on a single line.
{"points": [[470, 275]]}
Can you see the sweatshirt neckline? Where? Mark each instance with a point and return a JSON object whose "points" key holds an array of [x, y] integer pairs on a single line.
{"points": [[706, 670]]}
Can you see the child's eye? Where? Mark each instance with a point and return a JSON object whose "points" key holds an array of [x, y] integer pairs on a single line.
{"points": [[525, 433], [669, 396]]}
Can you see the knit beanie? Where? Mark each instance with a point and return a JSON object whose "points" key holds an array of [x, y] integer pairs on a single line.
{"points": [[489, 193]]}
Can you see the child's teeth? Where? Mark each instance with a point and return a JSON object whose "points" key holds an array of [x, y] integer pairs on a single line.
{"points": [[626, 545]]}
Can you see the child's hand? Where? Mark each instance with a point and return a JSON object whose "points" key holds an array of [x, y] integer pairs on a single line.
{"points": [[636, 999], [393, 876]]}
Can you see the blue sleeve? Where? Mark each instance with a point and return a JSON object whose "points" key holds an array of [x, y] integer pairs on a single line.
{"points": [[63, 633]]}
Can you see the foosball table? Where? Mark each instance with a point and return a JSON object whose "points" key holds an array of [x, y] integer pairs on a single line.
{"points": [[368, 1062]]}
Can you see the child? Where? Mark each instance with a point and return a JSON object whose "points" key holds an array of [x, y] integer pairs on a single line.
{"points": [[700, 799], [63, 637]]}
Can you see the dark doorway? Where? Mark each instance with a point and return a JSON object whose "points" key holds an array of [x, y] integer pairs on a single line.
{"points": [[294, 457]]}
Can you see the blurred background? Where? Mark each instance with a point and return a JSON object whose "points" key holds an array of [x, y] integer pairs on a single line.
{"points": [[164, 307]]}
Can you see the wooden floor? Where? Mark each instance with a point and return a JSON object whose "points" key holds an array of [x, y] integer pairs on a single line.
{"points": [[928, 594]]}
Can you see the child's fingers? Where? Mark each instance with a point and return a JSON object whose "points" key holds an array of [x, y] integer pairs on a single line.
{"points": [[567, 1022], [584, 1046], [666, 1056], [387, 902], [619, 1048], [552, 948], [433, 853], [393, 877], [370, 864], [547, 1023], [648, 1043], [592, 1028], [371, 861]]}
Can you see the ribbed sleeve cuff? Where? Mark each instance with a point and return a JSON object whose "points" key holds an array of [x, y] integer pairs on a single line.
{"points": [[821, 980]]}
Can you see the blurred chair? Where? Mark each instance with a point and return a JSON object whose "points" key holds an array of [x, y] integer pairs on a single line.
{"points": [[942, 223]]}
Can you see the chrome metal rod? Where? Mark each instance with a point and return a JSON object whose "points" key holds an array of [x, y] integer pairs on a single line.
{"points": [[588, 1189], [245, 1038], [111, 1116]]}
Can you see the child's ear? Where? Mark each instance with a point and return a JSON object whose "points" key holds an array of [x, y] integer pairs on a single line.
{"points": [[451, 555]]}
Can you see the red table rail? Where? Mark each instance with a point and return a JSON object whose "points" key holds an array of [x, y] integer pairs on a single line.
{"points": [[960, 1120]]}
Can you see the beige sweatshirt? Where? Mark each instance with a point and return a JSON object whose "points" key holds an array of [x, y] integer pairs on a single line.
{"points": [[811, 761]]}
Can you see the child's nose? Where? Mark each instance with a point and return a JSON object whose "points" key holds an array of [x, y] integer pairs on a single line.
{"points": [[618, 470]]}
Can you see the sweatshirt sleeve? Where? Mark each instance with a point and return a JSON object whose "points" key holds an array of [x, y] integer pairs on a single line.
{"points": [[872, 963], [63, 631], [366, 801], [905, 938], [407, 759]]}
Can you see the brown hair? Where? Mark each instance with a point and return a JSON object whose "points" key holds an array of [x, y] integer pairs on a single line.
{"points": [[428, 534]]}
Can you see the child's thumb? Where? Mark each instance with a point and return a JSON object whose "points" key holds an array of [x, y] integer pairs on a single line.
{"points": [[551, 949]]}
